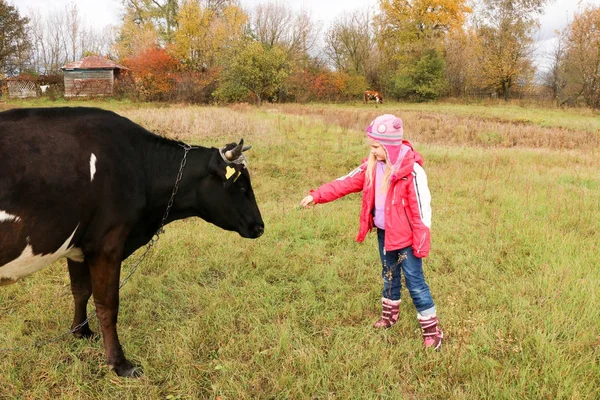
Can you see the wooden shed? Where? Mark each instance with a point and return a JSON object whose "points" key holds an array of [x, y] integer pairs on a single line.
{"points": [[91, 76]]}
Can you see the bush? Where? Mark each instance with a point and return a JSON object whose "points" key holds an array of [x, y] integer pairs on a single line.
{"points": [[423, 81], [153, 73], [197, 87], [306, 85]]}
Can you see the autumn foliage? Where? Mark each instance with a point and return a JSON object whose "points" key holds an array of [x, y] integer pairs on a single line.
{"points": [[417, 50], [154, 73], [579, 67], [322, 85]]}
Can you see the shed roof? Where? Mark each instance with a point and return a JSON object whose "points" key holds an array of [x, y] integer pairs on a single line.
{"points": [[93, 62]]}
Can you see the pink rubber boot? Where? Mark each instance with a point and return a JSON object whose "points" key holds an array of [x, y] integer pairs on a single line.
{"points": [[432, 334], [389, 313]]}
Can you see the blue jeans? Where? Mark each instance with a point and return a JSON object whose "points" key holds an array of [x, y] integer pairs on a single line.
{"points": [[403, 261]]}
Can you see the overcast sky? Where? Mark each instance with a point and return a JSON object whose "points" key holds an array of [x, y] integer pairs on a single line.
{"points": [[104, 12]]}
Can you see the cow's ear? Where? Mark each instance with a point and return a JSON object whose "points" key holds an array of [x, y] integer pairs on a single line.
{"points": [[228, 173], [232, 173]]}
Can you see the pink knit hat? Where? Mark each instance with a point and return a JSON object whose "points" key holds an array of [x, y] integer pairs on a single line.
{"points": [[387, 130]]}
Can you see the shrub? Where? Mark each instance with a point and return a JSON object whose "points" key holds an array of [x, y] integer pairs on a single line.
{"points": [[153, 73]]}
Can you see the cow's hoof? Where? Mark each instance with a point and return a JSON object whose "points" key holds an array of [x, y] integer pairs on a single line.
{"points": [[127, 370], [85, 333]]}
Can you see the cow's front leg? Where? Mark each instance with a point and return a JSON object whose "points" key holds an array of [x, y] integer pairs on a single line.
{"points": [[81, 287], [105, 271]]}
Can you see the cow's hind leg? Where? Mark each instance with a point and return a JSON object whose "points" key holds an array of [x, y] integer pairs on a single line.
{"points": [[105, 270], [81, 287]]}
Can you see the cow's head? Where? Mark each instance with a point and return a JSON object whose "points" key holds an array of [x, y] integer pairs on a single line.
{"points": [[227, 196]]}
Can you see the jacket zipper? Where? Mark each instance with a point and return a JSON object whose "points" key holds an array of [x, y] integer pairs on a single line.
{"points": [[406, 214]]}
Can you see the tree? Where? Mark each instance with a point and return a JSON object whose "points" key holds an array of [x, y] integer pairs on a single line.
{"points": [[555, 78], [461, 61], [135, 37], [204, 33], [254, 67], [162, 14], [424, 81], [15, 44], [409, 28], [413, 34], [190, 44], [74, 32], [276, 24], [581, 65], [50, 42], [506, 38], [407, 22], [349, 42], [62, 36]]}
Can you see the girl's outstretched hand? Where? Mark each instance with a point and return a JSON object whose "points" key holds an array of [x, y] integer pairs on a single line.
{"points": [[307, 201]]}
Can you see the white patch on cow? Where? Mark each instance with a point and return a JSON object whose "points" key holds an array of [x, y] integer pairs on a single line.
{"points": [[28, 263], [92, 166], [6, 217]]}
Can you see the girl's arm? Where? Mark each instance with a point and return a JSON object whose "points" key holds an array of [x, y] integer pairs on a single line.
{"points": [[419, 204], [351, 183]]}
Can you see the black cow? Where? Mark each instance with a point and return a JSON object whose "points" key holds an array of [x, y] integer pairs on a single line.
{"points": [[92, 186]]}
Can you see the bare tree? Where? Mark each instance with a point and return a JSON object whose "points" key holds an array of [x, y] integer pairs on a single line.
{"points": [[48, 41], [218, 5], [38, 44], [554, 78], [276, 24], [270, 22], [99, 41], [73, 31], [461, 61], [349, 42], [63, 36], [55, 42]]}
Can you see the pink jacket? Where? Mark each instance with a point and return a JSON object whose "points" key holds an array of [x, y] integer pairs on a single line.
{"points": [[407, 207]]}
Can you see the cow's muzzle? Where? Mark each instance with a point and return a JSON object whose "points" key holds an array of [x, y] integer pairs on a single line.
{"points": [[258, 230]]}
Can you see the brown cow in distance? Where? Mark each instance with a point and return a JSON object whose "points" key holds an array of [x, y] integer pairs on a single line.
{"points": [[373, 95]]}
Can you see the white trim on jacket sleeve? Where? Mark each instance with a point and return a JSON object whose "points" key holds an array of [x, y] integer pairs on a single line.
{"points": [[423, 194], [352, 173]]}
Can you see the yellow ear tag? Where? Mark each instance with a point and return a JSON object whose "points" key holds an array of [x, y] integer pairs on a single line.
{"points": [[229, 171]]}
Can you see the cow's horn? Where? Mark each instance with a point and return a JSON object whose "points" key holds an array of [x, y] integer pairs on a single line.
{"points": [[236, 152]]}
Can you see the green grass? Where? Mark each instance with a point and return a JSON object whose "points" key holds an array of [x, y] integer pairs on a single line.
{"points": [[513, 270]]}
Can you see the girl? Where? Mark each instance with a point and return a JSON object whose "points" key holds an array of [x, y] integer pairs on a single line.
{"points": [[395, 200]]}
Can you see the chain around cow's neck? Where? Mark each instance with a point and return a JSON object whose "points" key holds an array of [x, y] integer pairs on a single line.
{"points": [[151, 243]]}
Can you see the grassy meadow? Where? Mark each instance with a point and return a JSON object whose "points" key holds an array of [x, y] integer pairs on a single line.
{"points": [[513, 269]]}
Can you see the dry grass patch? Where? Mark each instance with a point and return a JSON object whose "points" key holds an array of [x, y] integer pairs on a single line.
{"points": [[455, 129]]}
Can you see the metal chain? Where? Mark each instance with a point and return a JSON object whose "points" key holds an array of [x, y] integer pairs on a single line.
{"points": [[151, 243]]}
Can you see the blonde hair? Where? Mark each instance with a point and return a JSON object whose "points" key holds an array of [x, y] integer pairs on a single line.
{"points": [[371, 163]]}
